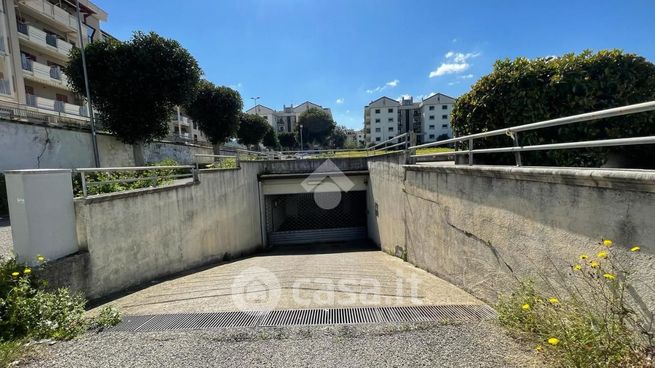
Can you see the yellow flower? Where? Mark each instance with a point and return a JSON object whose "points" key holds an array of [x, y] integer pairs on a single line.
{"points": [[635, 249], [525, 306], [594, 264], [553, 341], [607, 243], [27, 271], [583, 256], [538, 348], [40, 258], [577, 267], [553, 300], [609, 276], [15, 274], [602, 254]]}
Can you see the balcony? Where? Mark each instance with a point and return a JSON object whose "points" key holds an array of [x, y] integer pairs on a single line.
{"points": [[50, 14], [61, 108], [44, 41], [50, 75]]}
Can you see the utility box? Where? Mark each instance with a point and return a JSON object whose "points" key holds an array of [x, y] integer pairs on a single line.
{"points": [[41, 213]]}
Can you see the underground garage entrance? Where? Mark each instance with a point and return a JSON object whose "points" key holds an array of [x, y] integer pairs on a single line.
{"points": [[316, 208]]}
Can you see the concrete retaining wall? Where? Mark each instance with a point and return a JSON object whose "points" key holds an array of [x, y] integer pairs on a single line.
{"points": [[137, 236], [26, 146], [479, 227]]}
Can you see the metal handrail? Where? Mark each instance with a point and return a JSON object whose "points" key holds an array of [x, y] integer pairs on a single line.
{"points": [[236, 157], [390, 140], [512, 132]]}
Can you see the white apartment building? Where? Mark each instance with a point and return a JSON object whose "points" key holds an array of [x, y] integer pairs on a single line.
{"points": [[286, 119], [35, 38], [386, 118]]}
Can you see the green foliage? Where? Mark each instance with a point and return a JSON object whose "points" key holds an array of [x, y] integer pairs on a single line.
{"points": [[338, 137], [252, 129], [123, 180], [109, 316], [270, 139], [10, 351], [317, 126], [288, 140], [523, 91], [4, 205], [135, 85], [584, 321], [217, 111]]}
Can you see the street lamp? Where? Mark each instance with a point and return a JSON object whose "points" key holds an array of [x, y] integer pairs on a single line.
{"points": [[255, 101], [301, 149]]}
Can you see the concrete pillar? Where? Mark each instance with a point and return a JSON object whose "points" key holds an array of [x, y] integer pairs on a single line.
{"points": [[42, 213]]}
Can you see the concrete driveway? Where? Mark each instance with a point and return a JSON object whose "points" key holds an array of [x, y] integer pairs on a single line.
{"points": [[331, 276]]}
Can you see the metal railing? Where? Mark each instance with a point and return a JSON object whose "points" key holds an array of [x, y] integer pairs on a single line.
{"points": [[403, 141], [516, 148], [30, 113], [222, 160], [154, 176]]}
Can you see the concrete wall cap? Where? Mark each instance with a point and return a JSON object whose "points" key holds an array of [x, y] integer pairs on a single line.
{"points": [[38, 171]]}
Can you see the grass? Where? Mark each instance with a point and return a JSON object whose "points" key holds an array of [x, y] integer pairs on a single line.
{"points": [[428, 150]]}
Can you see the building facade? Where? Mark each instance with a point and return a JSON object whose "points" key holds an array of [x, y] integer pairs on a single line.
{"points": [[430, 119], [285, 120]]}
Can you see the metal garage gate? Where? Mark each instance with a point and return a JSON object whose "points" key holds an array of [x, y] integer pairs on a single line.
{"points": [[303, 218]]}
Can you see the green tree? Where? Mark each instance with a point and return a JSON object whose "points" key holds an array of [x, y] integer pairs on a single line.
{"points": [[135, 85], [217, 111], [523, 91], [338, 137], [288, 140], [252, 129], [317, 126], [270, 139]]}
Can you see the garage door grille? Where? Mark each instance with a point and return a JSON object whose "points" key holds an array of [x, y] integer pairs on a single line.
{"points": [[307, 317]]}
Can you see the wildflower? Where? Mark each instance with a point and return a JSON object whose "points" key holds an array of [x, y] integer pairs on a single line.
{"points": [[27, 271], [577, 267], [15, 274], [607, 243], [538, 348], [525, 306], [594, 264], [635, 249], [553, 341], [602, 254], [553, 300], [609, 276], [40, 258], [583, 256]]}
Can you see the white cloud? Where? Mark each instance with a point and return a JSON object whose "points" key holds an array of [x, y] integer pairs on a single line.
{"points": [[340, 100], [454, 63], [391, 84], [467, 76], [401, 97], [453, 83], [236, 86]]}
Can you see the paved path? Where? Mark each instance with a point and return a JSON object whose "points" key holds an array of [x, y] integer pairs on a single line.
{"points": [[298, 278], [6, 244]]}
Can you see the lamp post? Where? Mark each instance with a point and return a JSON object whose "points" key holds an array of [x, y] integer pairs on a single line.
{"points": [[94, 142], [255, 101], [301, 149]]}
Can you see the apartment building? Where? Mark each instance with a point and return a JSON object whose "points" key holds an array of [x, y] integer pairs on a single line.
{"points": [[286, 119], [183, 129], [35, 39], [430, 118]]}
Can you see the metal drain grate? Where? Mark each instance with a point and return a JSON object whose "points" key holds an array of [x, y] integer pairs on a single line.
{"points": [[306, 317]]}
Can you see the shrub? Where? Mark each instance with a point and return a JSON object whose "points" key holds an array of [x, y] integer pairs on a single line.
{"points": [[523, 91], [585, 322]]}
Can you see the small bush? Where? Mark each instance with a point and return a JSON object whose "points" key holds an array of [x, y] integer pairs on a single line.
{"points": [[108, 317], [586, 322]]}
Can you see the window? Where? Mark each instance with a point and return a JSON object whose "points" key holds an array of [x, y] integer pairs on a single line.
{"points": [[444, 125], [444, 107], [444, 116], [377, 120], [431, 127], [377, 139], [431, 108], [90, 32], [431, 136], [390, 120], [378, 130], [377, 111], [390, 110], [431, 117], [29, 90], [62, 98], [391, 129]]}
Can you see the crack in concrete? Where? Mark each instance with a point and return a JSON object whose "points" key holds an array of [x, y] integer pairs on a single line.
{"points": [[45, 146]]}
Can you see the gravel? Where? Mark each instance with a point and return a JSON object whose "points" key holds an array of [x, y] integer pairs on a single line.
{"points": [[6, 243], [481, 344]]}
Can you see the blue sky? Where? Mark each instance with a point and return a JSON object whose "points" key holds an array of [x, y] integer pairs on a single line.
{"points": [[345, 53]]}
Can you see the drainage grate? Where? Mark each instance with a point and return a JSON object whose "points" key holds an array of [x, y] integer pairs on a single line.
{"points": [[306, 317]]}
